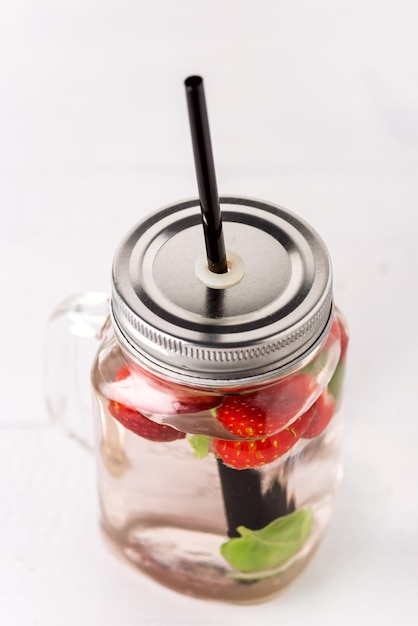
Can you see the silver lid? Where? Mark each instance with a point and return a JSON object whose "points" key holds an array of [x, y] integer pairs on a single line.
{"points": [[275, 310]]}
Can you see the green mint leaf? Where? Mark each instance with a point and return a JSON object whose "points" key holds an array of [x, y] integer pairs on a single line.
{"points": [[336, 382], [200, 445], [270, 547]]}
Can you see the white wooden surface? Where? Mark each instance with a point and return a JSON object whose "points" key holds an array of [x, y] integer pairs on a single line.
{"points": [[313, 105]]}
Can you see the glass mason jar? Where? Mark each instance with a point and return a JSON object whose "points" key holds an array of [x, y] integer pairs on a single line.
{"points": [[216, 428]]}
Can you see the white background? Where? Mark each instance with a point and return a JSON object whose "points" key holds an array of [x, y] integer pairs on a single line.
{"points": [[314, 106]]}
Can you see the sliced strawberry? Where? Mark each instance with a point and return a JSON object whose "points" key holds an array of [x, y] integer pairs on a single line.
{"points": [[137, 388], [140, 425], [134, 421], [266, 411], [321, 413], [343, 337], [247, 454], [333, 336]]}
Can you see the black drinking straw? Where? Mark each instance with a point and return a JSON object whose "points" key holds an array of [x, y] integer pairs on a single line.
{"points": [[205, 173], [244, 501]]}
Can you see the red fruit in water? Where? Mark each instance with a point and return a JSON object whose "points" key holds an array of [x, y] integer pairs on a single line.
{"points": [[266, 411], [333, 335], [140, 425], [134, 421], [321, 413], [248, 454], [344, 339], [138, 388]]}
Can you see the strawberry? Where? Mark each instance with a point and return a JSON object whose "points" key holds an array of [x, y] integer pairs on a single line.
{"points": [[336, 382], [321, 413], [138, 388], [343, 338], [333, 336], [140, 425], [265, 411], [134, 421], [254, 453]]}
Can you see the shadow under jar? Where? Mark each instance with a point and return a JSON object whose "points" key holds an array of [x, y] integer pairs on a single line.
{"points": [[217, 434]]}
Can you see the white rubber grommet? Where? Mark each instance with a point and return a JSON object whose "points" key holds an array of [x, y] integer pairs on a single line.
{"points": [[232, 277]]}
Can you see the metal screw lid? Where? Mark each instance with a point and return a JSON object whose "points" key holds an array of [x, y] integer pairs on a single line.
{"points": [[271, 316]]}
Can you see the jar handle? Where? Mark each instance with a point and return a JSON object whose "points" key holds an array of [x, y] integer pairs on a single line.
{"points": [[69, 352]]}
